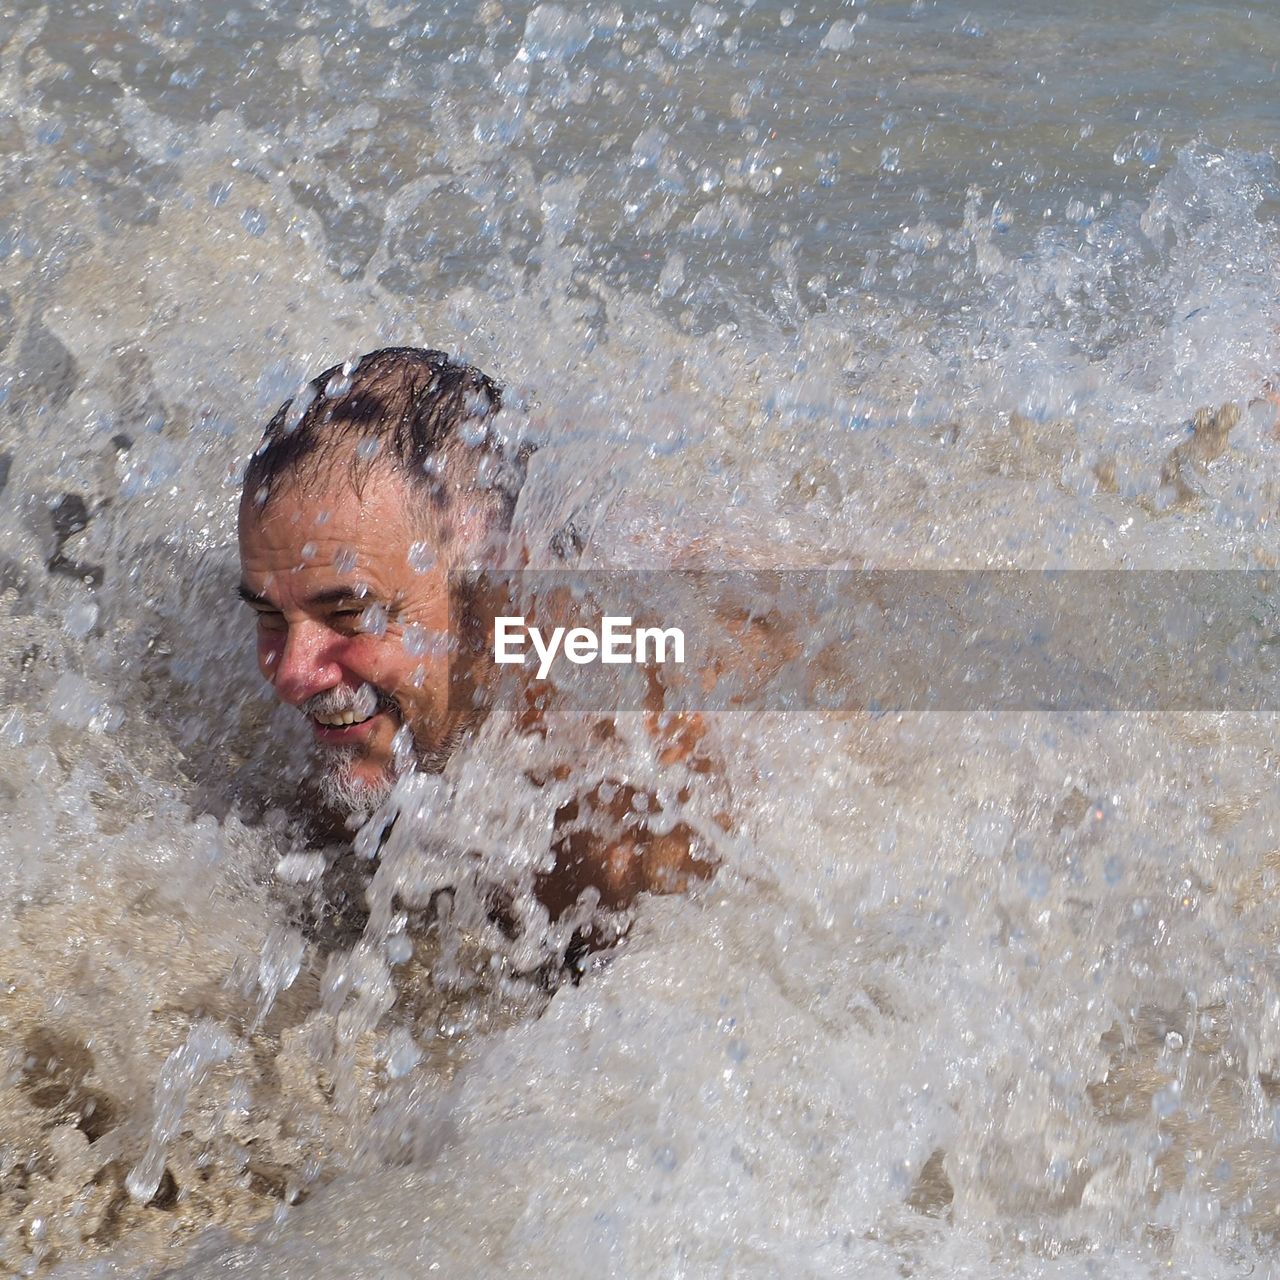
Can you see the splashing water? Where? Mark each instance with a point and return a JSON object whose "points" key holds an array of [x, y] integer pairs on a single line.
{"points": [[906, 283]]}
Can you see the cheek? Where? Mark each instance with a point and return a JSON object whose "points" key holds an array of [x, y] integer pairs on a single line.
{"points": [[414, 678], [379, 660]]}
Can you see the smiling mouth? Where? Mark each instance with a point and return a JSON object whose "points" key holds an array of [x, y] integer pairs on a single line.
{"points": [[338, 722], [344, 719]]}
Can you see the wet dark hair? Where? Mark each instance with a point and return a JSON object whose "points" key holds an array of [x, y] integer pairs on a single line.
{"points": [[427, 416]]}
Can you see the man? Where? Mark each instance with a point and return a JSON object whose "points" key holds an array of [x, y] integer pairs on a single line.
{"points": [[368, 488]]}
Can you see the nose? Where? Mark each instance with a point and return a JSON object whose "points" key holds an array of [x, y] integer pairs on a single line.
{"points": [[297, 664]]}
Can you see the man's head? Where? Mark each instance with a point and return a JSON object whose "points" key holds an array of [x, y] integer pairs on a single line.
{"points": [[369, 487]]}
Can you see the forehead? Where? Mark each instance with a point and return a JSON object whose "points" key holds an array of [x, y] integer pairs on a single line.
{"points": [[322, 521]]}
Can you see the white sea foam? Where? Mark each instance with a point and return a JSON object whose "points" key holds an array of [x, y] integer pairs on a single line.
{"points": [[983, 993]]}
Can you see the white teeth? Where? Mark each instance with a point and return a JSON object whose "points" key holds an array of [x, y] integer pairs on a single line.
{"points": [[362, 705], [341, 719]]}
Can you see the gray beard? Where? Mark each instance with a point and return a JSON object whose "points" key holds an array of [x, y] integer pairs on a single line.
{"points": [[342, 791]]}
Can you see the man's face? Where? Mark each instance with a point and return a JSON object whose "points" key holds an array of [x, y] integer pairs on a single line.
{"points": [[353, 624]]}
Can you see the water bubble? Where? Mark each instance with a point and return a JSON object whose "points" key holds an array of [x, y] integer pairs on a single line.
{"points": [[80, 619], [1079, 212], [403, 750], [473, 432], [552, 33], [300, 868], [840, 36], [649, 147], [402, 1053], [705, 16], [254, 221], [298, 407], [1144, 147], [672, 276], [422, 557], [13, 728], [74, 701], [418, 641], [280, 961], [373, 620]]}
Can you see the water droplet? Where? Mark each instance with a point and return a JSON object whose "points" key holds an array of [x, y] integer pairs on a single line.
{"points": [[298, 407], [422, 557], [418, 641], [80, 619], [254, 221], [840, 36], [299, 868], [373, 620], [403, 1053], [403, 752], [786, 17], [344, 560]]}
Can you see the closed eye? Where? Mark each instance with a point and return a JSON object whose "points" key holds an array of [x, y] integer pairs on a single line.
{"points": [[269, 619], [348, 620]]}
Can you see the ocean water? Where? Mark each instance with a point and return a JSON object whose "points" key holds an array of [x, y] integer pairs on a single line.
{"points": [[890, 284]]}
